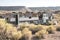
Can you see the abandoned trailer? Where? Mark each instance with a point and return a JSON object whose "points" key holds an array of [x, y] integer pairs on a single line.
{"points": [[17, 18]]}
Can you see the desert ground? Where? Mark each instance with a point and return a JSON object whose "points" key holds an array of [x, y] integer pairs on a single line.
{"points": [[26, 32]]}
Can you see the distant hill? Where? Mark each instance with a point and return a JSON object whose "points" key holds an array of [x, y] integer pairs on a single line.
{"points": [[44, 8], [11, 8], [14, 8]]}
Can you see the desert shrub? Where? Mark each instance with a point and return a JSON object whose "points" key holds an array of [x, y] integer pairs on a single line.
{"points": [[12, 33], [42, 27], [2, 22], [9, 31], [33, 28], [10, 27], [2, 25], [27, 33], [38, 28], [2, 28], [51, 29], [16, 35], [23, 25], [40, 34]]}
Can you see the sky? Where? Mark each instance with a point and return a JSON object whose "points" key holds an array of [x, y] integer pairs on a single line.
{"points": [[30, 3]]}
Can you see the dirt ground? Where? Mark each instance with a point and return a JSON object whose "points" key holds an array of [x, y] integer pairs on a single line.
{"points": [[55, 36]]}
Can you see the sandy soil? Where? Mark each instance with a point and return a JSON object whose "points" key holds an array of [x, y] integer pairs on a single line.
{"points": [[55, 36]]}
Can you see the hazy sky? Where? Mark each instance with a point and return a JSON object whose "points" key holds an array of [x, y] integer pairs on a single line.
{"points": [[30, 3]]}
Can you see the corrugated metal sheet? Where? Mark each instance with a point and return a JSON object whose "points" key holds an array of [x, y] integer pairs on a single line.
{"points": [[25, 19]]}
